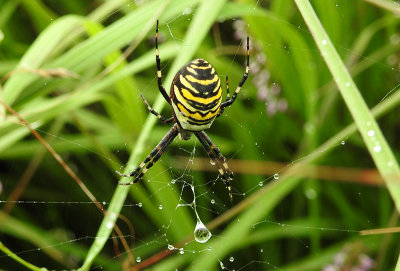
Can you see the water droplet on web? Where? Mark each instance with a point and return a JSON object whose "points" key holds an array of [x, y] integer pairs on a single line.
{"points": [[212, 162], [261, 250], [231, 259], [140, 204], [104, 203], [181, 251], [160, 207], [212, 201], [171, 247], [343, 142], [201, 233], [138, 259], [209, 248], [173, 181], [276, 176], [260, 183]]}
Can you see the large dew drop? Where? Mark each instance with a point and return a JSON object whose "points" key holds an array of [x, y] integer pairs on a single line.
{"points": [[201, 233]]}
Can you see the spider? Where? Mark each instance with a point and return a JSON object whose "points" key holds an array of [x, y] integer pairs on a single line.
{"points": [[196, 101]]}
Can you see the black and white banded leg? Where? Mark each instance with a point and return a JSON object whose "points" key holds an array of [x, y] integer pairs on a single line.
{"points": [[229, 100], [215, 154], [152, 158], [159, 75], [228, 97], [155, 113]]}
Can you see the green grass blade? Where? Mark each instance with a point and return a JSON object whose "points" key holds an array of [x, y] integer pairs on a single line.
{"points": [[366, 124], [37, 55], [19, 259]]}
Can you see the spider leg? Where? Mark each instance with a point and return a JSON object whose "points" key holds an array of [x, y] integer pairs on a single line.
{"points": [[230, 101], [228, 97], [152, 158], [215, 154], [155, 113], [159, 76]]}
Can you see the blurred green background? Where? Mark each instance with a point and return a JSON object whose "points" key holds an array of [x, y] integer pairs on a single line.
{"points": [[305, 184]]}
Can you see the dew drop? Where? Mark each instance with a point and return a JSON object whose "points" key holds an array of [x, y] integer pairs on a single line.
{"points": [[160, 207], [104, 203], [212, 201], [310, 193], [377, 148], [138, 259], [209, 248], [276, 176], [261, 250], [173, 181], [140, 204], [171, 247], [212, 162], [231, 259], [260, 183], [390, 164], [347, 84], [371, 133], [343, 142], [109, 225], [201, 233], [181, 251], [324, 42]]}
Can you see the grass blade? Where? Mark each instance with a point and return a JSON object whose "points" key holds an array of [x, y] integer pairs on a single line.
{"points": [[366, 123]]}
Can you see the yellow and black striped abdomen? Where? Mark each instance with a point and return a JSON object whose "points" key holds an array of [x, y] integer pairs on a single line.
{"points": [[196, 95]]}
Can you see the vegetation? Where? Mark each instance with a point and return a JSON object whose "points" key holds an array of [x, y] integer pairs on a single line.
{"points": [[312, 138]]}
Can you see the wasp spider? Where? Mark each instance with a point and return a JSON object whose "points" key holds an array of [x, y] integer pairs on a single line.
{"points": [[196, 100]]}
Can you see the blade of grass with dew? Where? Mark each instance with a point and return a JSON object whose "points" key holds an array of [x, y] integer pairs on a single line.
{"points": [[202, 21], [366, 123]]}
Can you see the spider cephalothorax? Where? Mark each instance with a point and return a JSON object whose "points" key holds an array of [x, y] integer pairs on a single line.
{"points": [[196, 101]]}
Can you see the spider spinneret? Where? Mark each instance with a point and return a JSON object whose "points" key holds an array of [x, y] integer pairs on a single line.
{"points": [[196, 101]]}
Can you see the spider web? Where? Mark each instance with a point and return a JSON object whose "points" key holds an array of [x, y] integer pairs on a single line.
{"points": [[203, 195]]}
